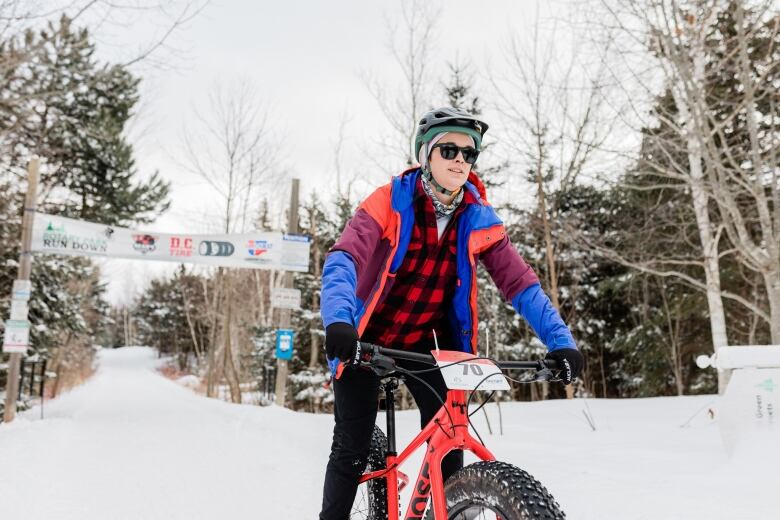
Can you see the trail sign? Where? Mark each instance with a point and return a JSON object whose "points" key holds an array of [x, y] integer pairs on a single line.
{"points": [[21, 290], [19, 310], [16, 337], [284, 344], [283, 298]]}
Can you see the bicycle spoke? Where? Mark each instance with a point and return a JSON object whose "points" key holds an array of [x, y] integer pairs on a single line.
{"points": [[360, 508]]}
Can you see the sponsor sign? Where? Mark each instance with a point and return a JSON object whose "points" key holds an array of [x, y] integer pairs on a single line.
{"points": [[216, 248], [258, 250], [284, 344], [181, 246], [282, 298], [145, 243], [16, 336], [295, 256], [57, 236]]}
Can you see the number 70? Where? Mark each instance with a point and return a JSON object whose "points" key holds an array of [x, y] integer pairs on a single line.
{"points": [[475, 369]]}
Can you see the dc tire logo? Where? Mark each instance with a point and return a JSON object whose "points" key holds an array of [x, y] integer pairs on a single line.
{"points": [[214, 248]]}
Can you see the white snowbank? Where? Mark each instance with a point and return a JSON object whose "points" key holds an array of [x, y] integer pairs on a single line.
{"points": [[131, 444], [189, 381]]}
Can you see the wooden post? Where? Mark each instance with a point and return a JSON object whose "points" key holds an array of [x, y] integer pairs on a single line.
{"points": [[315, 307], [284, 314], [25, 268]]}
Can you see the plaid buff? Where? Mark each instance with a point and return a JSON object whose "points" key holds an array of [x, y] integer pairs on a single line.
{"points": [[423, 286]]}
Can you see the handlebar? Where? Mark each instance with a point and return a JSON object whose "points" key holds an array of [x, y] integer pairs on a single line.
{"points": [[427, 358]]}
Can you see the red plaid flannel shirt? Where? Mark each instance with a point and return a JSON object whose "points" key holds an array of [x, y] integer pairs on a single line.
{"points": [[423, 286]]}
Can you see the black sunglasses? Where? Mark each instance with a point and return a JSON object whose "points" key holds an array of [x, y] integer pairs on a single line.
{"points": [[449, 151]]}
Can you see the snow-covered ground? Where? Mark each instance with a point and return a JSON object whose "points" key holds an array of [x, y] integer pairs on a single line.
{"points": [[130, 444]]}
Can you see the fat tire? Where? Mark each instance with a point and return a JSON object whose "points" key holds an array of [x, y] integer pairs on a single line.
{"points": [[506, 489], [377, 488]]}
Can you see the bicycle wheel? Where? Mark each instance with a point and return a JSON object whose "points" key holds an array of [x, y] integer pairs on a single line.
{"points": [[371, 499], [497, 490]]}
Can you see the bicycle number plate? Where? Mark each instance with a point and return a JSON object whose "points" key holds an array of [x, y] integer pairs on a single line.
{"points": [[469, 373]]}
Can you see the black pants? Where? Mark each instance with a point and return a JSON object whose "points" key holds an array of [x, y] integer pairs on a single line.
{"points": [[355, 410]]}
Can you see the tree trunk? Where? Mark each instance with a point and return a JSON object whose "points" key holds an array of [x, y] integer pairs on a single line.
{"points": [[227, 344], [710, 250], [260, 317], [315, 305], [603, 371], [673, 330], [552, 275], [126, 321], [212, 370], [191, 326], [56, 366], [772, 281], [700, 202]]}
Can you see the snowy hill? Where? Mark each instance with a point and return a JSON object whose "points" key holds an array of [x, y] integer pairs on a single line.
{"points": [[131, 444]]}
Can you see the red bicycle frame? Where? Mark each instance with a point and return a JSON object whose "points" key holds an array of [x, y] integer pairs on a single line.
{"points": [[445, 432]]}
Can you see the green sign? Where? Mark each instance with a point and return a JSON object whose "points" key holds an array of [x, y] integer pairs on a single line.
{"points": [[767, 384]]}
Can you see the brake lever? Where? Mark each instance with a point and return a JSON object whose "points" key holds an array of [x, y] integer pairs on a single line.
{"points": [[380, 365], [545, 374]]}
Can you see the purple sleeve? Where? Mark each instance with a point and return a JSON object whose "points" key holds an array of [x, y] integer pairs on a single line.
{"points": [[346, 274], [360, 239], [511, 274]]}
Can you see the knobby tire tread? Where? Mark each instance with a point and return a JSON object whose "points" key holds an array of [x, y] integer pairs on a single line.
{"points": [[512, 492], [377, 488]]}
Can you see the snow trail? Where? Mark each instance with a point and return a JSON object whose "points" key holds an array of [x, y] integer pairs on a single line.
{"points": [[131, 444]]}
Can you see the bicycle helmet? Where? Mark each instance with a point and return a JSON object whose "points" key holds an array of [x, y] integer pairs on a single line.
{"points": [[448, 119]]}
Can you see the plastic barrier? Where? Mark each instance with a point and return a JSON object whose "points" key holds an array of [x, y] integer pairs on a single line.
{"points": [[750, 405]]}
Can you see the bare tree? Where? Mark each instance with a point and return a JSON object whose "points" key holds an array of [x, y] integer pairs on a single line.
{"points": [[410, 45], [22, 48], [107, 17], [673, 326], [234, 152], [739, 179], [556, 123], [343, 185]]}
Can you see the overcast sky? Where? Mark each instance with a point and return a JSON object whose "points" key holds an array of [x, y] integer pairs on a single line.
{"points": [[306, 60]]}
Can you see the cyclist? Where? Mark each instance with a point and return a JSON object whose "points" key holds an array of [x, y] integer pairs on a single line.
{"points": [[404, 267]]}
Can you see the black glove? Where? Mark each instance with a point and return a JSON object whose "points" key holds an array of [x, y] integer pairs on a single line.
{"points": [[340, 341], [571, 362]]}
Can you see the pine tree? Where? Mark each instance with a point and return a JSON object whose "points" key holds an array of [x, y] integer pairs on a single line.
{"points": [[58, 102], [72, 111], [170, 316]]}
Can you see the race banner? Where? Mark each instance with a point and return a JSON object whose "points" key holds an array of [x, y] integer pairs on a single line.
{"points": [[256, 250]]}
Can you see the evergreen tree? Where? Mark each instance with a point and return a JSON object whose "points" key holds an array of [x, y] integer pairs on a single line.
{"points": [[72, 111], [59, 103], [308, 369]]}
